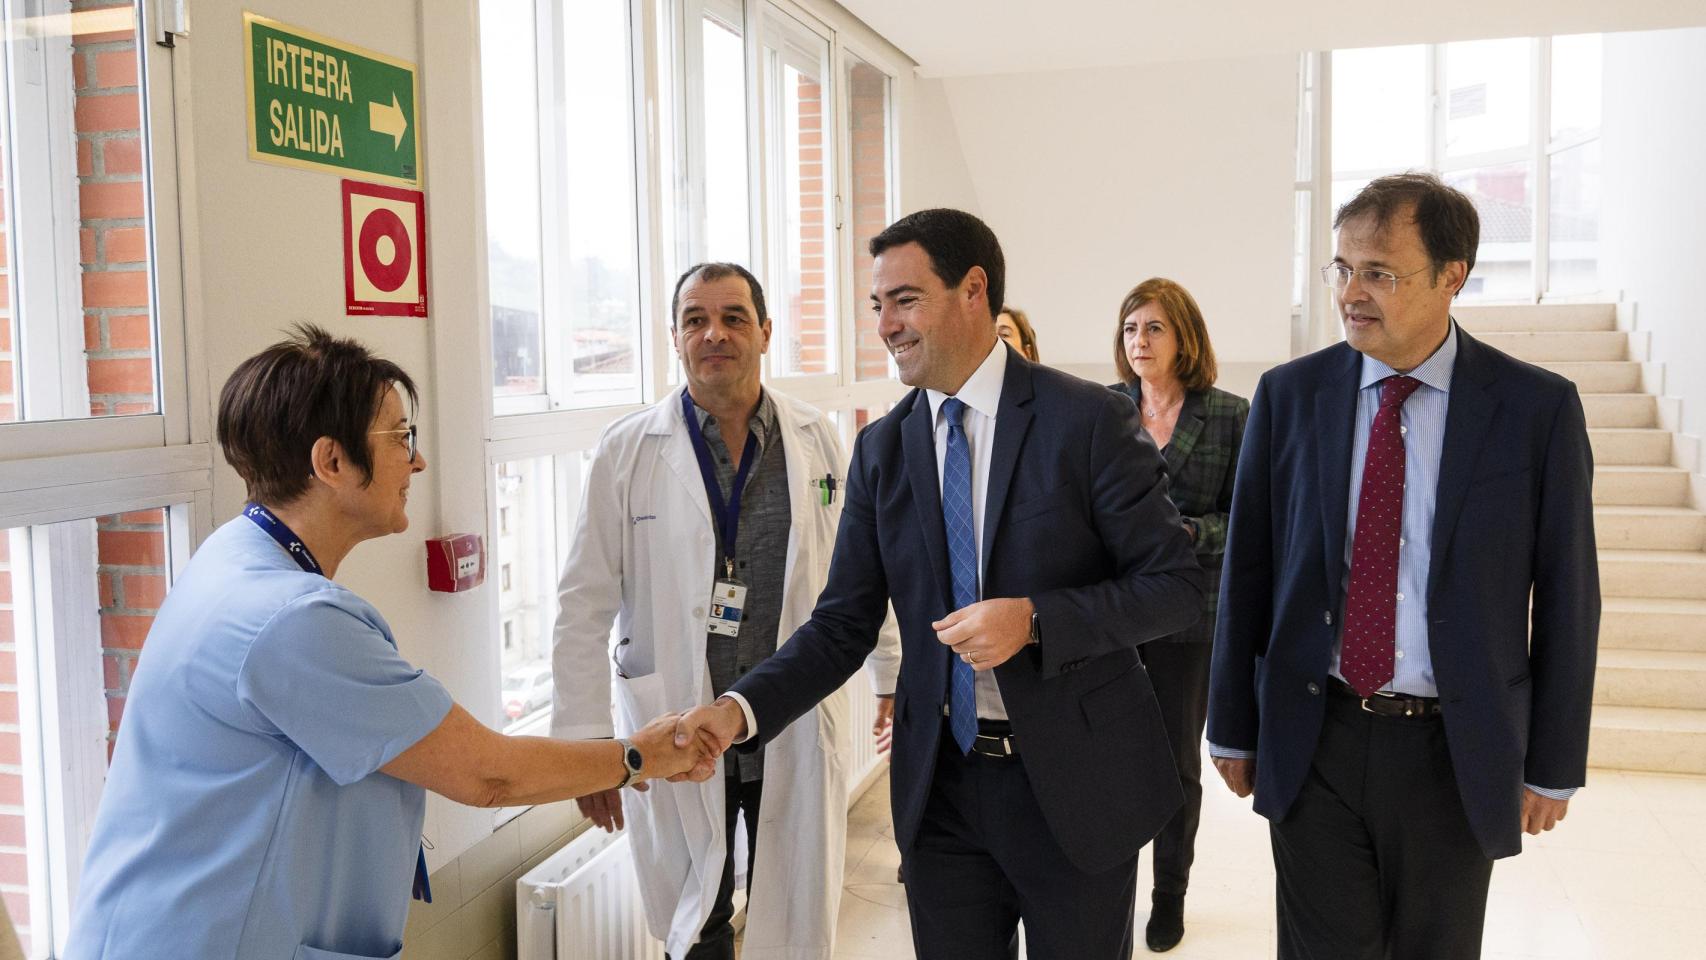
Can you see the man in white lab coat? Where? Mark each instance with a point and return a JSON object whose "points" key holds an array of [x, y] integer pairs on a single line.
{"points": [[705, 534]]}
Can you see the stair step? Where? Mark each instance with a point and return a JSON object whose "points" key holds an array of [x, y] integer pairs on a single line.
{"points": [[1501, 318], [1648, 738], [1673, 574], [1582, 345], [1640, 486], [1635, 623], [1620, 410], [1599, 376], [1630, 446], [1651, 678], [1648, 528]]}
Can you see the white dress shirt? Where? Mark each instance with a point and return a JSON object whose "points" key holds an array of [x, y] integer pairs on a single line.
{"points": [[981, 394]]}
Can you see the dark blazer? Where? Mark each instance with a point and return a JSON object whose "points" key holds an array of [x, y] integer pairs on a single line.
{"points": [[1513, 513], [1076, 518], [1202, 460]]}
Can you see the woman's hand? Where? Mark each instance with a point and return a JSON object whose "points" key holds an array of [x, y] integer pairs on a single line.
{"points": [[695, 761]]}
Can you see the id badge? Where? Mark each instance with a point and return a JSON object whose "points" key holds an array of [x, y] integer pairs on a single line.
{"points": [[728, 598]]}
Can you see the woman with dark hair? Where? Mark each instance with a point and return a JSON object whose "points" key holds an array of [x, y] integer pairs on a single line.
{"points": [[1015, 328], [1166, 365], [266, 797]]}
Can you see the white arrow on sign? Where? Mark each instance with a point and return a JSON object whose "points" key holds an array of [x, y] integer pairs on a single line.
{"points": [[389, 120]]}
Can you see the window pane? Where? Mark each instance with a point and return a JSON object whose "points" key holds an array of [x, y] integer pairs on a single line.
{"points": [[509, 82], [1504, 197], [727, 226], [596, 315], [527, 587], [563, 142], [868, 133], [537, 500], [69, 645], [1300, 267], [800, 262], [74, 180], [1381, 96], [1573, 234], [1576, 84], [1487, 95]]}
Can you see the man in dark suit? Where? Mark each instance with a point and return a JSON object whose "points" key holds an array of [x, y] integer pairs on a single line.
{"points": [[1379, 679], [1021, 527]]}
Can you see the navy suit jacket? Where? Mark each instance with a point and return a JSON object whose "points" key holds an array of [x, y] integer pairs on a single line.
{"points": [[1076, 518], [1513, 518]]}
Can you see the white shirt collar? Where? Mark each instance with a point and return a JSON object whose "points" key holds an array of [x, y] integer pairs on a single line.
{"points": [[982, 390]]}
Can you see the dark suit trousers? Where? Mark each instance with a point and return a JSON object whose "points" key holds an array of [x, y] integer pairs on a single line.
{"points": [[1375, 860], [717, 939], [1179, 672], [984, 859]]}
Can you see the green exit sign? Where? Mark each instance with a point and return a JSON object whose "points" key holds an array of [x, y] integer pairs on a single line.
{"points": [[321, 104]]}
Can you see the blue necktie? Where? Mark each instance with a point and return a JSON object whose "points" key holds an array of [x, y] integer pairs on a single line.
{"points": [[962, 567]]}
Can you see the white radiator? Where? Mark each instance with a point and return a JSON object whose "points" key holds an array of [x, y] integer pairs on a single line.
{"points": [[583, 903]]}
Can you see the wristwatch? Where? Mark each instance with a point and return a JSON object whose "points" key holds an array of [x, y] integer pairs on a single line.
{"points": [[631, 761]]}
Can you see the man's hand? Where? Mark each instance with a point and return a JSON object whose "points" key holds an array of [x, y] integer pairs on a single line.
{"points": [[665, 755], [604, 809], [716, 725], [986, 634], [1539, 813], [883, 729], [1239, 774]]}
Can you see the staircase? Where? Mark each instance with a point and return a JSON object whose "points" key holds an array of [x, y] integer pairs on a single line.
{"points": [[1650, 691]]}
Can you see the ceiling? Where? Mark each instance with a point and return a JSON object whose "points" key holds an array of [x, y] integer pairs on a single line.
{"points": [[949, 38]]}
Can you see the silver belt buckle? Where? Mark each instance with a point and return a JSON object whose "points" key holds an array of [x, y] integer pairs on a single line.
{"points": [[1006, 743]]}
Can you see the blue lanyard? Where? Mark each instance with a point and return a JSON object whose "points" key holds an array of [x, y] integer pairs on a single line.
{"points": [[285, 536], [293, 545], [728, 514]]}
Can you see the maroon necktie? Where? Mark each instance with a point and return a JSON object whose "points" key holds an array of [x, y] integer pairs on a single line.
{"points": [[1371, 606]]}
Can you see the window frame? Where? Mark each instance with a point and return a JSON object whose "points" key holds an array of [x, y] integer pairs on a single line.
{"points": [[1537, 153], [58, 475]]}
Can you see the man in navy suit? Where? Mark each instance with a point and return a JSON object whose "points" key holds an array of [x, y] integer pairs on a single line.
{"points": [[1379, 678], [1020, 524]]}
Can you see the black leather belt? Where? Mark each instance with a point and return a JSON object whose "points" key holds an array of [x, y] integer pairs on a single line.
{"points": [[1387, 704], [994, 739]]}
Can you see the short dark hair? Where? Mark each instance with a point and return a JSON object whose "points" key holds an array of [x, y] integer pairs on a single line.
{"points": [[717, 270], [956, 241], [1444, 215], [280, 401]]}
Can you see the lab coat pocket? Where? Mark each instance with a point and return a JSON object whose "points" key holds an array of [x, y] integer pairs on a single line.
{"points": [[639, 701], [305, 952]]}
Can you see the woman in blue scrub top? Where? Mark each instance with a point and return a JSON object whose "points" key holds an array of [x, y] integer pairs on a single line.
{"points": [[266, 795]]}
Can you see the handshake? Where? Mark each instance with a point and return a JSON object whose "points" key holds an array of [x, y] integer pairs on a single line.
{"points": [[675, 747]]}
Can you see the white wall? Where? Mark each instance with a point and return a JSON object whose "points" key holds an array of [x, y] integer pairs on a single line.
{"points": [[1653, 227], [1097, 179]]}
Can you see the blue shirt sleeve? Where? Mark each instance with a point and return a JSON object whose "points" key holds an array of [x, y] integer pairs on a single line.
{"points": [[325, 674]]}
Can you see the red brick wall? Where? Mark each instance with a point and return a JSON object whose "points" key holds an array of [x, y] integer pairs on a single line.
{"points": [[867, 100], [131, 558], [810, 301], [117, 330]]}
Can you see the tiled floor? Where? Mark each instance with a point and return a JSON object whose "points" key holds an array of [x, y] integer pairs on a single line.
{"points": [[1623, 877]]}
